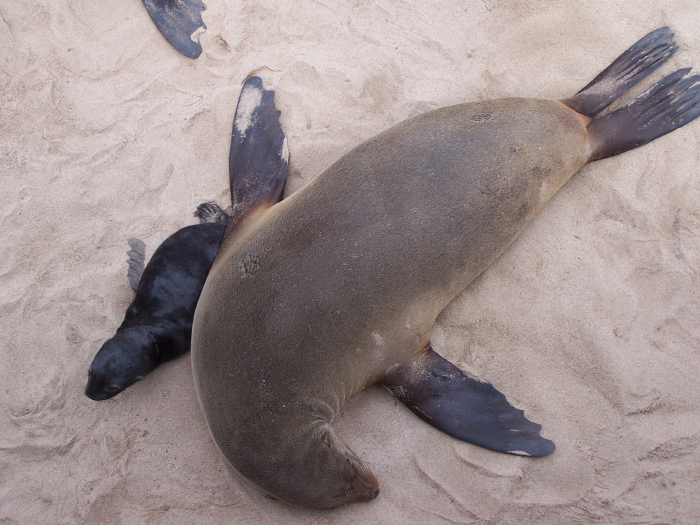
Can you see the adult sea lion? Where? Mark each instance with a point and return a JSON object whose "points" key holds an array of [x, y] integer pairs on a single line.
{"points": [[337, 286]]}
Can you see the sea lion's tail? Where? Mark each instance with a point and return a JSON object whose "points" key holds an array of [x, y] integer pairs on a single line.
{"points": [[669, 104], [630, 67]]}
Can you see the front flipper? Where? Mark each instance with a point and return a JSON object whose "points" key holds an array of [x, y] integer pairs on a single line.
{"points": [[180, 22], [258, 161], [137, 262], [444, 396]]}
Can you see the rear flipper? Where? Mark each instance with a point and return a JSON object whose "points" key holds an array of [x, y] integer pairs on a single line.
{"points": [[669, 104], [258, 161], [137, 262], [629, 68], [467, 409], [180, 22]]}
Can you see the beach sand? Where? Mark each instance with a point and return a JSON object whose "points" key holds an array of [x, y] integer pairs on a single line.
{"points": [[590, 321]]}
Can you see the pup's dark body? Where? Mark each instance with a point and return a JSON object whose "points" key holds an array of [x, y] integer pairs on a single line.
{"points": [[157, 326]]}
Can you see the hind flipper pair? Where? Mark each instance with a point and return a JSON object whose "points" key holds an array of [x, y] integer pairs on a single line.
{"points": [[667, 105]]}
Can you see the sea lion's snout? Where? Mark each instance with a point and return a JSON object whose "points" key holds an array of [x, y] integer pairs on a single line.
{"points": [[364, 485], [365, 488], [123, 360], [99, 389]]}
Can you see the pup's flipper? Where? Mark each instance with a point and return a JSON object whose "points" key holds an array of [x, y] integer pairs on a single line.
{"points": [[629, 68], [669, 104], [137, 262], [180, 22], [259, 156], [209, 212], [444, 396]]}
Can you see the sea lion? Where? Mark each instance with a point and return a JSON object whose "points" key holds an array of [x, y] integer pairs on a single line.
{"points": [[158, 323], [180, 22], [337, 286]]}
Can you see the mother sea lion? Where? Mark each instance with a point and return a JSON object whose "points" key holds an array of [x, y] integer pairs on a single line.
{"points": [[337, 287]]}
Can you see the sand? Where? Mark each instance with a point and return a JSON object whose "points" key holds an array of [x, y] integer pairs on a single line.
{"points": [[589, 321]]}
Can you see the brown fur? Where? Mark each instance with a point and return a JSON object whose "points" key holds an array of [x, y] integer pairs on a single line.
{"points": [[344, 279]]}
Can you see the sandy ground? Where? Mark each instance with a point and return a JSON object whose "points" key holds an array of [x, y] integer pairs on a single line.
{"points": [[589, 321]]}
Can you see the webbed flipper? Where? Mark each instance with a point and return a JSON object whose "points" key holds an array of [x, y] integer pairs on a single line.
{"points": [[628, 69], [444, 396], [137, 262], [209, 212], [258, 161], [180, 22], [669, 104]]}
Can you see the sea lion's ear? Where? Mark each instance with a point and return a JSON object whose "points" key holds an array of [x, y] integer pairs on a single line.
{"points": [[441, 394], [180, 23], [259, 157], [137, 262]]}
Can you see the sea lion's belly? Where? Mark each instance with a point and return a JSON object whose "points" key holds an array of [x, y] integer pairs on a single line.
{"points": [[344, 278]]}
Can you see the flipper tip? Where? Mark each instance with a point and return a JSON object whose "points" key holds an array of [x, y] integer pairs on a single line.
{"points": [[180, 22]]}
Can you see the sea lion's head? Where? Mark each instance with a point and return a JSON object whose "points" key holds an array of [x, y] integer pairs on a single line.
{"points": [[334, 476], [122, 361]]}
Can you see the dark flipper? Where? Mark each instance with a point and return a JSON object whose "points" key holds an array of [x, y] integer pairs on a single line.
{"points": [[180, 21], [441, 394], [208, 212], [629, 68], [137, 262], [669, 104], [259, 157]]}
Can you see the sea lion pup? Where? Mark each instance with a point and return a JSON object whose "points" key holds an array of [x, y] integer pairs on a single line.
{"points": [[157, 325], [337, 286]]}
